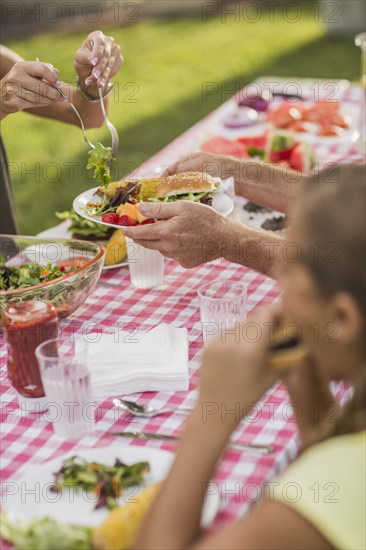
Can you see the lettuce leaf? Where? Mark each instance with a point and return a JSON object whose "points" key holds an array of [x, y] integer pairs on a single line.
{"points": [[44, 534], [195, 197], [99, 159], [82, 226]]}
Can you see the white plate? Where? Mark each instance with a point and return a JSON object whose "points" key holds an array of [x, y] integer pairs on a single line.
{"points": [[221, 203], [61, 231], [33, 498]]}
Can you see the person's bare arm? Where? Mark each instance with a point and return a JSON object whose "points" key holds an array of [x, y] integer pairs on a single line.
{"points": [[193, 234], [226, 389], [272, 186], [174, 520], [7, 59]]}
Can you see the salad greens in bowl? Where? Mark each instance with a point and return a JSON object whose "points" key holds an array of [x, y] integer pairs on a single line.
{"points": [[62, 271]]}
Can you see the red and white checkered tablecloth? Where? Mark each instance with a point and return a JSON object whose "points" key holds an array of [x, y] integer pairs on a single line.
{"points": [[28, 440]]}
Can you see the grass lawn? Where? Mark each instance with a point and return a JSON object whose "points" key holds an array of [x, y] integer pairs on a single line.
{"points": [[166, 64]]}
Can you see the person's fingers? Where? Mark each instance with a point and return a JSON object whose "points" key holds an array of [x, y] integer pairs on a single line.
{"points": [[29, 100], [151, 245], [190, 163], [96, 41], [112, 66], [118, 61], [160, 210], [102, 64], [170, 170], [150, 232], [43, 71], [33, 91], [41, 89]]}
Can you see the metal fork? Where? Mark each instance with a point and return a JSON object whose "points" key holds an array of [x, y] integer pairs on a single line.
{"points": [[91, 145], [112, 129]]}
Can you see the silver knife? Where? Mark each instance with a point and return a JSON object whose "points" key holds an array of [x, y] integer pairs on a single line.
{"points": [[252, 448]]}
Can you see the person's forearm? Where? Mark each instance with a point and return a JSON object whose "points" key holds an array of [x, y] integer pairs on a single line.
{"points": [[174, 519], [254, 248], [272, 186], [90, 112], [7, 59]]}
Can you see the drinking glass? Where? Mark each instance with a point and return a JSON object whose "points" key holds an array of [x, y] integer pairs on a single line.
{"points": [[27, 325], [146, 266], [63, 364], [223, 305]]}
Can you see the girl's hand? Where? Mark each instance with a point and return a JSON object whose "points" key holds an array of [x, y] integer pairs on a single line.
{"points": [[234, 375], [97, 60], [29, 84]]}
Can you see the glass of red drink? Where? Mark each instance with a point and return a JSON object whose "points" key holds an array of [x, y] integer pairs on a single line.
{"points": [[26, 325]]}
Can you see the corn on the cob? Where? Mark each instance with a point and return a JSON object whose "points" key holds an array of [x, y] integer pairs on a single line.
{"points": [[148, 187], [119, 530], [116, 249], [112, 187]]}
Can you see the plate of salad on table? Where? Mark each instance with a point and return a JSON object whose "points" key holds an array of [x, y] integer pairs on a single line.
{"points": [[95, 499]]}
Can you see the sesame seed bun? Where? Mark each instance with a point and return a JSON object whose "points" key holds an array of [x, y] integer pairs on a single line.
{"points": [[186, 182]]}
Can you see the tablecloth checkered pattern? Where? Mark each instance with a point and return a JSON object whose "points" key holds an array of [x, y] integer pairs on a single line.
{"points": [[28, 440]]}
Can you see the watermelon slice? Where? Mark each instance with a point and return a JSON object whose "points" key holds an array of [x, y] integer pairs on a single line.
{"points": [[302, 158], [280, 146], [259, 142], [223, 146]]}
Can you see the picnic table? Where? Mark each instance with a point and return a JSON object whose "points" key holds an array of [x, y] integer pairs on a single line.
{"points": [[28, 440]]}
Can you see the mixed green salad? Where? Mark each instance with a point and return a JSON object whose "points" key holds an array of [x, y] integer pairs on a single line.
{"points": [[107, 481], [44, 534], [29, 274], [81, 227], [49, 534]]}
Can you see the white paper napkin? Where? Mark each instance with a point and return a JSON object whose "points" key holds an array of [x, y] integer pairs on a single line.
{"points": [[126, 362]]}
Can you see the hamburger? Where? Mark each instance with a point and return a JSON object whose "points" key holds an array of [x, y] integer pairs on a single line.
{"points": [[191, 186], [286, 348], [121, 199]]}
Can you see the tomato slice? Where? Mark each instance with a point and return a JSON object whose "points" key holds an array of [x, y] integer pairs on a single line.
{"points": [[68, 263]]}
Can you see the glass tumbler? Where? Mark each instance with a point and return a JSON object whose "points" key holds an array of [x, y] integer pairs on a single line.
{"points": [[66, 380], [223, 304]]}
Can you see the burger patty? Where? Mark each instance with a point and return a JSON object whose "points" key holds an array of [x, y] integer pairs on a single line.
{"points": [[207, 199]]}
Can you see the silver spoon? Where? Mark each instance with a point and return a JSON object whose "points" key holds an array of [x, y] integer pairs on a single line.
{"points": [[144, 410], [112, 129]]}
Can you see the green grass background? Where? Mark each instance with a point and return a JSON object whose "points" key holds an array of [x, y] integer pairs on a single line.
{"points": [[167, 61]]}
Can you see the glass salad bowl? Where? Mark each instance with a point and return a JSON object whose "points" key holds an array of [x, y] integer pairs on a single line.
{"points": [[75, 264]]}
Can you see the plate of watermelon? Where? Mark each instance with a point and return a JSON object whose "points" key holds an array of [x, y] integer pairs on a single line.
{"points": [[282, 148]]}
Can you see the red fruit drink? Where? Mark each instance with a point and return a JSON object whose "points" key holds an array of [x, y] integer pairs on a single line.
{"points": [[28, 324]]}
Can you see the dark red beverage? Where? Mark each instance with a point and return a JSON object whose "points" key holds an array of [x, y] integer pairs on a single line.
{"points": [[28, 324]]}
